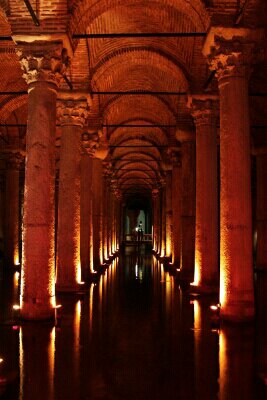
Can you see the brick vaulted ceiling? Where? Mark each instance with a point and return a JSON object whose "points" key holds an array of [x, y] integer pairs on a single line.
{"points": [[138, 154]]}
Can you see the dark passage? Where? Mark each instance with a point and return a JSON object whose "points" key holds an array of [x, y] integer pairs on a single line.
{"points": [[134, 335]]}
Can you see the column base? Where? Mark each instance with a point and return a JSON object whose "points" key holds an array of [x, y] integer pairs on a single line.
{"points": [[238, 312], [36, 311]]}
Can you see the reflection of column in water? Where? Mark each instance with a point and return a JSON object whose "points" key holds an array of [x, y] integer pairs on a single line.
{"points": [[205, 353], [91, 300], [77, 331], [236, 348], [169, 293], [36, 362]]}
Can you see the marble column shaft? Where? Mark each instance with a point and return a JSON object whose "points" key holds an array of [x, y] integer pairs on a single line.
{"points": [[86, 216], [176, 212], [206, 275], [72, 114], [41, 64], [261, 211], [231, 60], [97, 182]]}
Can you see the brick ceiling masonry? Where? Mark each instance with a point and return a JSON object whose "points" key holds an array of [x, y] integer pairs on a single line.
{"points": [[138, 60]]}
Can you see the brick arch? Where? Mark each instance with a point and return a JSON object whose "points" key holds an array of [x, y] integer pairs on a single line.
{"points": [[154, 136], [11, 105], [159, 68], [84, 12], [138, 107]]}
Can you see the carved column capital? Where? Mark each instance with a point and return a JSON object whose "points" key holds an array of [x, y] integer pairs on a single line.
{"points": [[229, 51], [72, 110], [90, 142], [42, 61], [203, 109]]}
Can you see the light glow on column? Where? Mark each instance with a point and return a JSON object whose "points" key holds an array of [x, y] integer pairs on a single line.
{"points": [[223, 283], [196, 272], [16, 256]]}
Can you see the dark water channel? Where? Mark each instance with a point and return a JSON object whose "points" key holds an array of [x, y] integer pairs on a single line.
{"points": [[135, 335]]}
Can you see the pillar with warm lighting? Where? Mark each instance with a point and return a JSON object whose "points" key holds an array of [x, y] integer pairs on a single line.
{"points": [[11, 214], [72, 113], [169, 222], [176, 209], [155, 195], [41, 64], [97, 182], [206, 273], [105, 217], [261, 209], [86, 215], [163, 221], [230, 56], [188, 206]]}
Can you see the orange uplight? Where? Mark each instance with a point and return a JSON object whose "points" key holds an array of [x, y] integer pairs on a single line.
{"points": [[78, 273], [168, 246], [223, 282], [1, 360], [215, 307], [16, 307], [16, 256], [196, 272]]}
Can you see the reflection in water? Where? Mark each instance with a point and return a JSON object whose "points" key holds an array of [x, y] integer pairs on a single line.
{"points": [[134, 335], [236, 355], [205, 351], [36, 362]]}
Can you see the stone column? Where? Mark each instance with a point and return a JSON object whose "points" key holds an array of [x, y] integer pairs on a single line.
{"points": [[11, 214], [188, 207], [176, 210], [231, 58], [206, 274], [86, 216], [261, 210], [105, 217], [97, 212], [41, 62], [163, 221], [169, 222], [155, 194], [72, 113]]}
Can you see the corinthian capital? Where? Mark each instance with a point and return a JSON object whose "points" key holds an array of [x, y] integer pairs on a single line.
{"points": [[203, 109], [229, 51], [72, 109], [42, 61]]}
